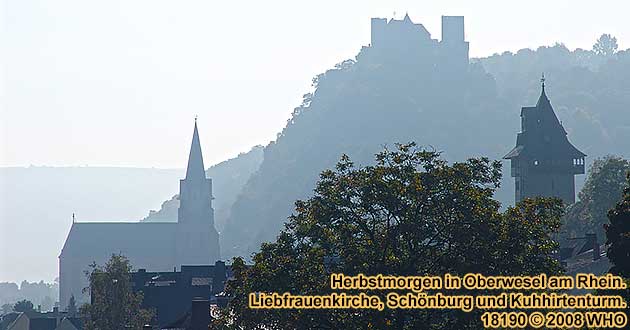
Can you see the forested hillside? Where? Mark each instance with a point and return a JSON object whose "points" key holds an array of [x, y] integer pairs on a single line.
{"points": [[388, 97]]}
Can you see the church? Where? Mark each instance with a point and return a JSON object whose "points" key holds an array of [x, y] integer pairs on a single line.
{"points": [[154, 246]]}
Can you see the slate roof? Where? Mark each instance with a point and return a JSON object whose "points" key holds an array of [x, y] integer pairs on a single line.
{"points": [[93, 239], [545, 140], [7, 319], [42, 323], [65, 324]]}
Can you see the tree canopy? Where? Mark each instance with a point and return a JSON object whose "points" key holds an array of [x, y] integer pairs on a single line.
{"points": [[606, 45], [602, 190], [114, 305], [618, 239], [23, 306], [618, 234], [409, 214]]}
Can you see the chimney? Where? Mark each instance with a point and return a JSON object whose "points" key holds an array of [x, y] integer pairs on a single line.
{"points": [[219, 277], [200, 314], [55, 313]]}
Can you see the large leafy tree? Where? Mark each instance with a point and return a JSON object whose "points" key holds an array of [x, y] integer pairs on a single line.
{"points": [[409, 214], [618, 235], [114, 305], [602, 189], [23, 306], [606, 45]]}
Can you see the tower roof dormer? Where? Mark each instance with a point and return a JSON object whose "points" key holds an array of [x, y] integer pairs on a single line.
{"points": [[195, 168]]}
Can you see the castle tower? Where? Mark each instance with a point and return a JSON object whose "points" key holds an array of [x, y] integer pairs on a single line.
{"points": [[544, 162], [454, 48], [197, 241]]}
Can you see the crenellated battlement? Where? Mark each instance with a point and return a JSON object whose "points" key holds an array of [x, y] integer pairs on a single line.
{"points": [[395, 35]]}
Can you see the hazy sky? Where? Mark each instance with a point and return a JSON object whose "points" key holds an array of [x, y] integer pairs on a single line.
{"points": [[118, 82]]}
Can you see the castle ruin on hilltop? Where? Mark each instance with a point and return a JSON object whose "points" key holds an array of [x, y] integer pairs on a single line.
{"points": [[396, 36]]}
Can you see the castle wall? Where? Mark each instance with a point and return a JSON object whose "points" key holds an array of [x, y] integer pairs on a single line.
{"points": [[391, 38], [453, 29], [378, 30]]}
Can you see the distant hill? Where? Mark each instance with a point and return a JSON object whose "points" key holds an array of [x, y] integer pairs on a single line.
{"points": [[589, 92], [384, 97], [228, 178], [37, 204]]}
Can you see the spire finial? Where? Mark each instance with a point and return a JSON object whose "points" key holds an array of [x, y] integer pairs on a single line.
{"points": [[195, 119], [542, 81], [72, 217]]}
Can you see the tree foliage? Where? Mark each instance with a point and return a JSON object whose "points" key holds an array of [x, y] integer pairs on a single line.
{"points": [[602, 189], [618, 239], [606, 45], [23, 306], [618, 234], [114, 305], [409, 214]]}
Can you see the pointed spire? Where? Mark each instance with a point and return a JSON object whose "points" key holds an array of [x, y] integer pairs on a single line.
{"points": [[543, 99], [195, 167], [407, 19]]}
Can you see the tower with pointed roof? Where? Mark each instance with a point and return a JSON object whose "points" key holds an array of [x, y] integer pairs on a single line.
{"points": [[197, 241], [154, 246], [544, 162]]}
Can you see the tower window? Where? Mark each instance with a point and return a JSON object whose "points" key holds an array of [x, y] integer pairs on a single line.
{"points": [[535, 162]]}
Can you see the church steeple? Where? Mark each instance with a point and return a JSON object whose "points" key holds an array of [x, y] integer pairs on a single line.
{"points": [[543, 99], [197, 241], [195, 167]]}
